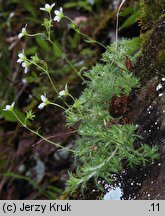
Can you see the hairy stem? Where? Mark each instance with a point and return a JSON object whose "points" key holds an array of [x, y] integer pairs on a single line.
{"points": [[39, 135]]}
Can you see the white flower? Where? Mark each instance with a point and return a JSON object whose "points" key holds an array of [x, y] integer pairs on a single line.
{"points": [[44, 103], [61, 93], [59, 14], [23, 60], [48, 7], [25, 65], [21, 57], [9, 107], [23, 32], [64, 92]]}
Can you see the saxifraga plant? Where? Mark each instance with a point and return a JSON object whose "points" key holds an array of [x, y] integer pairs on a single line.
{"points": [[102, 145]]}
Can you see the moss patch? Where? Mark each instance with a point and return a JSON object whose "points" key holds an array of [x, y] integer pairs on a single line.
{"points": [[152, 61], [150, 12]]}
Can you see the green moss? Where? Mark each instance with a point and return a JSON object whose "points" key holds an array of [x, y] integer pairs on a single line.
{"points": [[150, 12], [145, 37], [152, 59], [161, 56]]}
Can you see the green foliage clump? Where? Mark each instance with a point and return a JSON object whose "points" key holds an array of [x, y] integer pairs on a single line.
{"points": [[103, 145]]}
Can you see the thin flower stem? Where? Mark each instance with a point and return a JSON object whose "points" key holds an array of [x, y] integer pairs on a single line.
{"points": [[34, 35], [59, 135], [54, 104], [72, 97], [117, 21], [48, 75], [48, 32], [50, 16], [85, 35], [19, 120], [50, 79], [48, 29], [39, 135], [93, 40], [67, 60], [98, 41], [55, 90], [52, 83]]}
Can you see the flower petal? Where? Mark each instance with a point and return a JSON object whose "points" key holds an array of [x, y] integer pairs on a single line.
{"points": [[26, 70], [23, 29], [47, 6], [43, 98], [8, 107], [57, 12], [56, 18], [20, 35], [52, 5], [24, 64], [61, 93], [41, 106], [19, 60], [13, 105], [21, 55], [43, 9], [66, 87]]}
